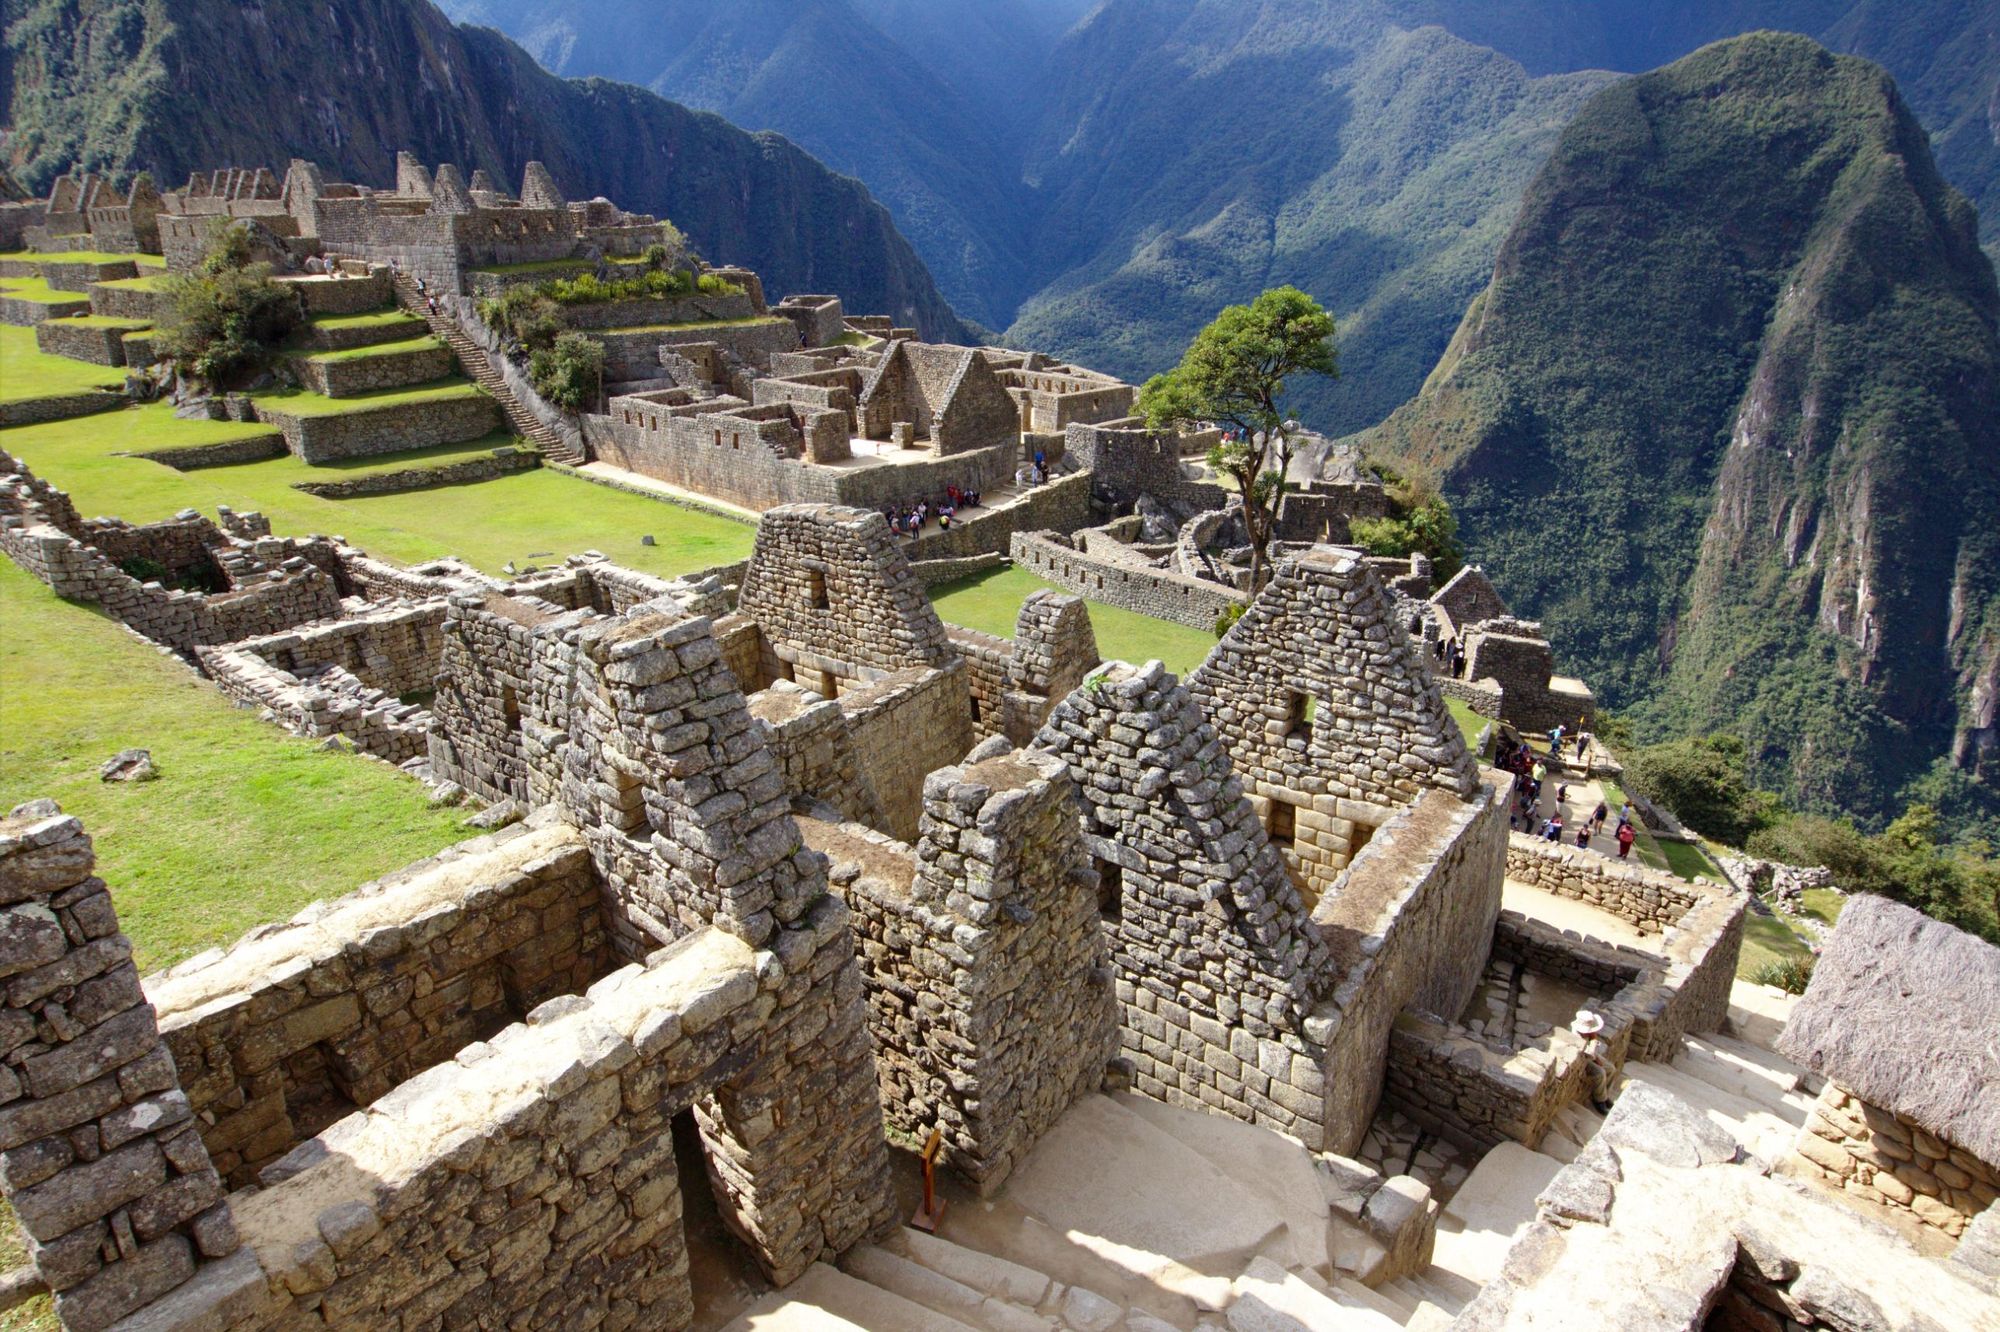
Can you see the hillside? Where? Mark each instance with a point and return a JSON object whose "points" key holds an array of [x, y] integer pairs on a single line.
{"points": [[1728, 418], [1097, 179], [131, 84]]}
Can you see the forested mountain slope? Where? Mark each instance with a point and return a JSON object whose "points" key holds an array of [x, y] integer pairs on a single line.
{"points": [[122, 85], [1727, 417]]}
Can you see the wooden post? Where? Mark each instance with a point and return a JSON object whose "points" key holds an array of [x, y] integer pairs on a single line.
{"points": [[932, 1211]]}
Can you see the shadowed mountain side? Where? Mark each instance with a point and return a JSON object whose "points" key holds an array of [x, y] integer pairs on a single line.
{"points": [[122, 85], [1725, 420]]}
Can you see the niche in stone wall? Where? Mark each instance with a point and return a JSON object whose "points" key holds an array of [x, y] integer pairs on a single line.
{"points": [[816, 589], [1299, 709], [1110, 890], [1283, 824]]}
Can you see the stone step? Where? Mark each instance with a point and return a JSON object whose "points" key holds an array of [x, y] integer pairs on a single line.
{"points": [[984, 1272], [1110, 1180], [828, 1300], [1002, 1232], [919, 1284], [1765, 1127], [1266, 1165], [1437, 1288], [1753, 1062], [1389, 1300], [1270, 1299], [1496, 1201]]}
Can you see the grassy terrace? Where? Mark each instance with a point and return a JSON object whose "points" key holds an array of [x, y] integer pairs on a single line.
{"points": [[556, 265], [26, 373], [528, 517], [373, 319], [423, 342], [301, 402], [244, 824], [144, 282], [991, 601], [39, 291], [682, 327], [102, 321], [85, 257]]}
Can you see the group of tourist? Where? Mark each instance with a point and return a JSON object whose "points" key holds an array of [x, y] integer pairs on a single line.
{"points": [[1531, 772], [910, 520], [329, 267], [1450, 654]]}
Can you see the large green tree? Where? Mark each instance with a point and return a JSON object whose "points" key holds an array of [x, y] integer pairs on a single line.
{"points": [[1233, 375]]}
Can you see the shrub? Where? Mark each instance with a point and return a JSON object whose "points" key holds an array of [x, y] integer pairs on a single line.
{"points": [[1227, 620], [1791, 974], [1419, 522], [526, 315], [655, 257], [228, 317], [1702, 781], [567, 373], [590, 289]]}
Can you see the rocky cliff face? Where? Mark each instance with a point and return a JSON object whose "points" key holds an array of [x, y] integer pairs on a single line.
{"points": [[1728, 418], [123, 85]]}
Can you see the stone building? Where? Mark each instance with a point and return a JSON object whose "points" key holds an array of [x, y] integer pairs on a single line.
{"points": [[1900, 1020]]}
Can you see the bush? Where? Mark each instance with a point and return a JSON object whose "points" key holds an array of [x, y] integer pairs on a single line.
{"points": [[590, 289], [567, 373], [1702, 782], [526, 315], [1791, 974], [228, 317], [1227, 620], [1905, 862], [654, 257], [1419, 522]]}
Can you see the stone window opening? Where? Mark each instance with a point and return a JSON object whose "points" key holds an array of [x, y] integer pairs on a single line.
{"points": [[510, 707], [1283, 824], [1110, 889], [816, 589], [1299, 711]]}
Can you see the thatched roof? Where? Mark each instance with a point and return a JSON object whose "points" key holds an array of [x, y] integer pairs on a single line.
{"points": [[1904, 1011]]}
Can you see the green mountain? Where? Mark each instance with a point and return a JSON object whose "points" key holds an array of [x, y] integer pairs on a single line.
{"points": [[173, 87], [1727, 418]]}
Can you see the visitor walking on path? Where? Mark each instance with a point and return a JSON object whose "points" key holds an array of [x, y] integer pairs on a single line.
{"points": [[1625, 839], [1598, 816], [1597, 1059]]}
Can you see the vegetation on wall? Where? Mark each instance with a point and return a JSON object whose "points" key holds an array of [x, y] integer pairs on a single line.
{"points": [[569, 371], [1419, 522], [227, 317]]}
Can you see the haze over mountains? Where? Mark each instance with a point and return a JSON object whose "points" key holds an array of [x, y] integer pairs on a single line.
{"points": [[1097, 183]]}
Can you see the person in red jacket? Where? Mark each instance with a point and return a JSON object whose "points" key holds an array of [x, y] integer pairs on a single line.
{"points": [[1625, 839]]}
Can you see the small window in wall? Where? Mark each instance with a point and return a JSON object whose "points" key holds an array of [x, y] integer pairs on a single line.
{"points": [[975, 709], [510, 707], [1300, 708], [1283, 822], [1110, 890], [816, 589], [1362, 832]]}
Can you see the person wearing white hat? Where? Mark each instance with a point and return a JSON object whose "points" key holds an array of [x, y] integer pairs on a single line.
{"points": [[1597, 1059]]}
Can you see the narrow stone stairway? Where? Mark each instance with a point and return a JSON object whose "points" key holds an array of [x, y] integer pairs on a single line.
{"points": [[477, 364]]}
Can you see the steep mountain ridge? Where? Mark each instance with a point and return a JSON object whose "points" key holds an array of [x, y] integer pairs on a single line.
{"points": [[1727, 417], [130, 84]]}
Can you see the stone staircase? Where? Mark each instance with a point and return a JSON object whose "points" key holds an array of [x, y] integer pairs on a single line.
{"points": [[477, 364]]}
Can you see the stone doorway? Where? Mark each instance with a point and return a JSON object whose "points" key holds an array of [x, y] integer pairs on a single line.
{"points": [[722, 1272]]}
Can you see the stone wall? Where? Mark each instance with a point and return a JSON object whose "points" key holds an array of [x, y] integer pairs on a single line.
{"points": [[501, 462], [100, 344], [1162, 593], [395, 649], [386, 367], [1408, 923], [1642, 897], [298, 1024], [833, 594], [229, 453], [367, 431], [1881, 1157], [1219, 969], [809, 738], [989, 986], [904, 726], [326, 701], [1328, 715], [102, 1161], [59, 407], [1475, 1095], [989, 662]]}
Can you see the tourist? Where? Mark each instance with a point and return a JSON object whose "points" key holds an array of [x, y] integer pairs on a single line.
{"points": [[1555, 832], [973, 502], [1562, 794], [1041, 463], [1625, 839], [1583, 835], [1541, 772], [944, 520], [1582, 743], [1597, 1059], [1598, 816], [1556, 741]]}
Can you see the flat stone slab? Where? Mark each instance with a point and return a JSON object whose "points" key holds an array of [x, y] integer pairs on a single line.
{"points": [[1494, 1204], [1106, 1172], [828, 1300]]}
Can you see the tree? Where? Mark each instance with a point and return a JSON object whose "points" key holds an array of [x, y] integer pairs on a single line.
{"points": [[227, 316], [1233, 375]]}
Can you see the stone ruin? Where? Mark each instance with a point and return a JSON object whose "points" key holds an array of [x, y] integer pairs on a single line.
{"points": [[1509, 671], [809, 873]]}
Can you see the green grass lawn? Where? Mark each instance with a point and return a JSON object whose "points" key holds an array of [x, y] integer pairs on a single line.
{"points": [[992, 601], [87, 257], [372, 319], [1822, 904], [144, 282], [1767, 939], [1469, 722], [422, 342], [102, 321], [303, 402], [38, 289], [245, 823], [25, 372], [749, 322], [527, 517]]}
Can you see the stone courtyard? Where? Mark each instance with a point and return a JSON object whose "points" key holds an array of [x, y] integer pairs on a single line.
{"points": [[1230, 1001]]}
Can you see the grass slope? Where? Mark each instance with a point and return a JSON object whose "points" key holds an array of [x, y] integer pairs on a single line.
{"points": [[990, 602], [527, 517], [26, 374], [245, 823]]}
